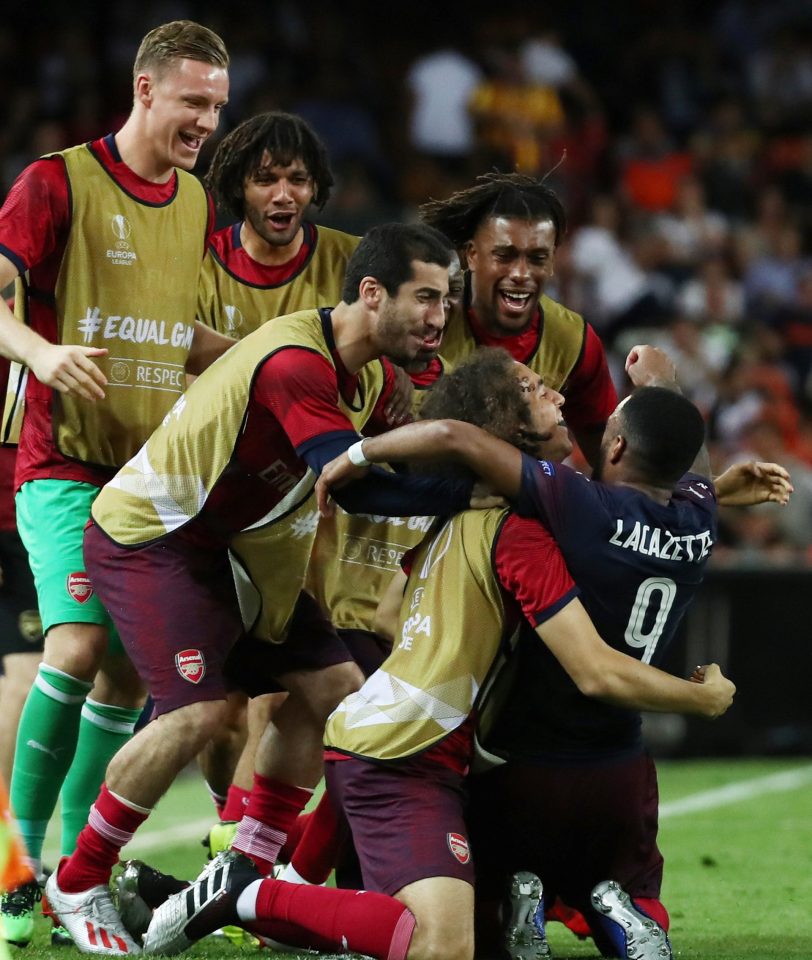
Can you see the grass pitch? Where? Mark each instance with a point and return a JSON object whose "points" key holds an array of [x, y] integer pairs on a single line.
{"points": [[736, 836]]}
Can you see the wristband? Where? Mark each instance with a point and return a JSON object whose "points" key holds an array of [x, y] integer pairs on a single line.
{"points": [[356, 455]]}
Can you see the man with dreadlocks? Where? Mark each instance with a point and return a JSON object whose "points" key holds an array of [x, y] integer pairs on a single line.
{"points": [[507, 227]]}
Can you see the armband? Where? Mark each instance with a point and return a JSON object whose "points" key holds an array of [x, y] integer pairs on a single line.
{"points": [[356, 455]]}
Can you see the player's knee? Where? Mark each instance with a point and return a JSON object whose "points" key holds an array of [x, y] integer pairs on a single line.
{"points": [[118, 684], [213, 715], [432, 942], [346, 679], [76, 649], [330, 686], [260, 711], [16, 682], [12, 701], [199, 722], [14, 694], [20, 670]]}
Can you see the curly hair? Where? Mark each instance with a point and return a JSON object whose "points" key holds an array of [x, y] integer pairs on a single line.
{"points": [[512, 195], [484, 391], [286, 137]]}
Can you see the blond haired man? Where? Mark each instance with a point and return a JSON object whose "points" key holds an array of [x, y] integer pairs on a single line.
{"points": [[105, 241]]}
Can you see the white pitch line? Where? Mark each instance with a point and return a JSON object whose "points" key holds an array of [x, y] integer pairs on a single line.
{"points": [[706, 800], [737, 792], [154, 839]]}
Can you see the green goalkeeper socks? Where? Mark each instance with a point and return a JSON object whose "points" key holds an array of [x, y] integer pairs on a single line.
{"points": [[46, 741], [103, 730]]}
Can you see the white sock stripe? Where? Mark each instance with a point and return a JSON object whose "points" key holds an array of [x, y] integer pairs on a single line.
{"points": [[105, 723], [254, 836], [46, 668], [107, 830], [130, 803], [44, 687]]}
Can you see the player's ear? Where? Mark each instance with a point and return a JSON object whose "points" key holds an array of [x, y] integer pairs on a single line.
{"points": [[142, 89], [370, 291], [616, 449]]}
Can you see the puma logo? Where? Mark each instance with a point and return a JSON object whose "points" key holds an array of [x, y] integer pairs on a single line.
{"points": [[42, 748]]}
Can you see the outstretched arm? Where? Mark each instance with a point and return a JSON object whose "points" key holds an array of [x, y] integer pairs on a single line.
{"points": [[600, 671], [746, 484], [35, 214], [299, 388], [497, 462]]}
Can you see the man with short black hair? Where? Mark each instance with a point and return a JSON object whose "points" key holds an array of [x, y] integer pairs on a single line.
{"points": [[241, 447]]}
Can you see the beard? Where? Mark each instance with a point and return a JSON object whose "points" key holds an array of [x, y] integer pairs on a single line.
{"points": [[272, 238], [532, 442]]}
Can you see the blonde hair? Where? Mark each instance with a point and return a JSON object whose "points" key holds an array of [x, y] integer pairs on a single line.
{"points": [[180, 39]]}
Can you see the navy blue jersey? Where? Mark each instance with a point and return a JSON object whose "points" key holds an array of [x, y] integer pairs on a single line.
{"points": [[638, 564]]}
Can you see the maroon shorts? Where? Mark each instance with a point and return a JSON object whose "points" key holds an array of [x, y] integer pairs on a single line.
{"points": [[406, 820], [175, 608], [368, 649], [573, 825], [312, 644]]}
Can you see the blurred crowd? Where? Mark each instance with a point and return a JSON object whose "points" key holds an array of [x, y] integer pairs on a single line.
{"points": [[678, 135]]}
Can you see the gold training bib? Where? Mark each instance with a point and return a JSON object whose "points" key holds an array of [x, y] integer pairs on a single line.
{"points": [[128, 282]]}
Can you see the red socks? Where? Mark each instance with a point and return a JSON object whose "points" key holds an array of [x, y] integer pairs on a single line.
{"points": [[317, 851], [294, 836], [111, 824], [654, 909], [331, 920], [236, 802], [572, 919], [271, 812]]}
